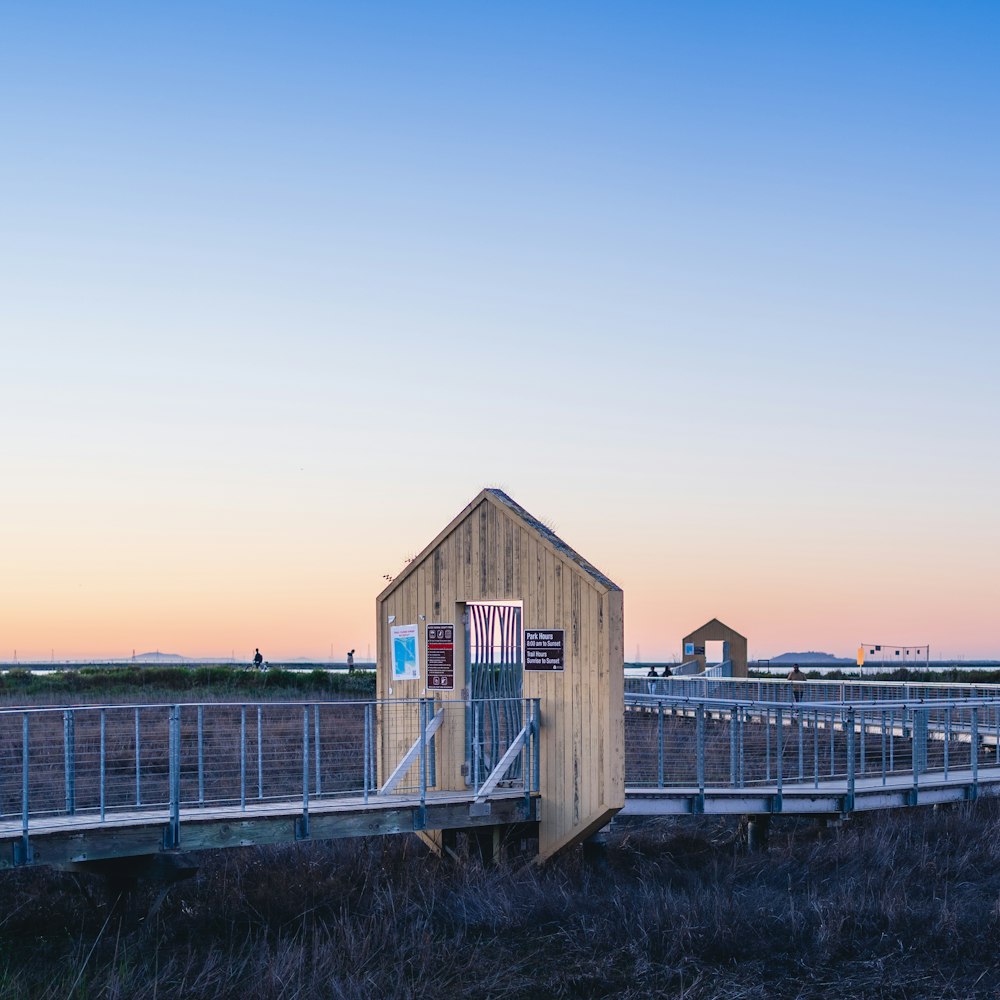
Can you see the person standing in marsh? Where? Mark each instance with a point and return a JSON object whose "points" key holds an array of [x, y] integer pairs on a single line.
{"points": [[257, 659], [798, 679]]}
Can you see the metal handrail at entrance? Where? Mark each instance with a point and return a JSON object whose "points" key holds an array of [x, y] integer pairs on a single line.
{"points": [[725, 746], [114, 765]]}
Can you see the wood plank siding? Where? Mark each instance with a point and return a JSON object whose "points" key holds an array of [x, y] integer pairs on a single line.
{"points": [[494, 550]]}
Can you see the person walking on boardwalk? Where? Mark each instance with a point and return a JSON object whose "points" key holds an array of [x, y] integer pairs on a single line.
{"points": [[257, 659], [350, 661], [798, 680]]}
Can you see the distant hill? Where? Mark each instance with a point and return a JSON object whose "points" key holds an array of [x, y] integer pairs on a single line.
{"points": [[159, 657], [811, 657]]}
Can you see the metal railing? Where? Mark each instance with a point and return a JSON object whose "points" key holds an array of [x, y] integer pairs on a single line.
{"points": [[97, 763], [779, 689], [700, 742]]}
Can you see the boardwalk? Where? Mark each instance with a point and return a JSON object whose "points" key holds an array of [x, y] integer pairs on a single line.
{"points": [[83, 784], [739, 747]]}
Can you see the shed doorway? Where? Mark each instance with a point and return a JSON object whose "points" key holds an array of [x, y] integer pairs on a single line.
{"points": [[716, 652], [494, 652]]}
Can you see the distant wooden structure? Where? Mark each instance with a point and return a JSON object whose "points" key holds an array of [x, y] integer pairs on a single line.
{"points": [[491, 560], [716, 631]]}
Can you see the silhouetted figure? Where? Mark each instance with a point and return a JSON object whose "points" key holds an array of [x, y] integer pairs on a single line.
{"points": [[350, 662], [257, 659], [667, 672], [798, 680], [652, 672]]}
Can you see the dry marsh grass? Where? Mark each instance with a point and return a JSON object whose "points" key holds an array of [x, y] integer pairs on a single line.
{"points": [[899, 905]]}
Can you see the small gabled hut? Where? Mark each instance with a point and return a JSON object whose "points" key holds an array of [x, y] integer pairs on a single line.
{"points": [[495, 572], [693, 645]]}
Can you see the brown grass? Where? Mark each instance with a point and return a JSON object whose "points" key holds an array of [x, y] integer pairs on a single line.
{"points": [[902, 905]]}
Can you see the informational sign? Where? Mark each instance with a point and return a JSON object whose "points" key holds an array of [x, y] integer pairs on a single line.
{"points": [[405, 653], [699, 650], [544, 649], [441, 657], [689, 649]]}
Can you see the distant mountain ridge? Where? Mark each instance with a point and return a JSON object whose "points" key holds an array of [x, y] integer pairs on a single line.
{"points": [[812, 656], [159, 657]]}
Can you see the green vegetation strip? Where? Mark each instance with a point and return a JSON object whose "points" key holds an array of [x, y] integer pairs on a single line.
{"points": [[216, 681]]}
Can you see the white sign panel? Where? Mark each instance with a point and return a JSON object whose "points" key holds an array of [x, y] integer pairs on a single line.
{"points": [[405, 653]]}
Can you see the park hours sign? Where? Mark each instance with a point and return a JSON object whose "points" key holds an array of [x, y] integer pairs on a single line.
{"points": [[544, 649]]}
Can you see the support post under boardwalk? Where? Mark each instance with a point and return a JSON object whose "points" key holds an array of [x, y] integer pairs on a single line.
{"points": [[758, 831]]}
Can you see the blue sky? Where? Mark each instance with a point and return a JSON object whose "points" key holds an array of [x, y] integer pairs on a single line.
{"points": [[710, 287]]}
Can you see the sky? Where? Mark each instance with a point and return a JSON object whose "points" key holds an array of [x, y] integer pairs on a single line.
{"points": [[710, 288]]}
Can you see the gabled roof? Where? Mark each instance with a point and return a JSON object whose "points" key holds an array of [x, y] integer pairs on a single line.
{"points": [[510, 506], [715, 621]]}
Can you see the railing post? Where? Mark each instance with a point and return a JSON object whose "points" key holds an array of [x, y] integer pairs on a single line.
{"points": [[69, 759], [423, 750], [316, 753], [779, 743], [302, 826], [801, 716], [659, 745], [103, 759], [25, 853], [260, 753], [815, 748], [701, 749], [766, 712], [861, 737], [919, 738], [947, 739], [367, 737], [850, 760], [173, 833], [243, 757], [732, 746], [741, 715], [475, 747], [833, 742], [974, 753], [201, 755], [884, 759], [138, 761]]}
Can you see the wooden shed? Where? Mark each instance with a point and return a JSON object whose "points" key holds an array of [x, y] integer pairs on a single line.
{"points": [[715, 631], [501, 577]]}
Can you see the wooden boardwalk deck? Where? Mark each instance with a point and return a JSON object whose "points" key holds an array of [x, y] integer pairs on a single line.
{"points": [[826, 797], [83, 837]]}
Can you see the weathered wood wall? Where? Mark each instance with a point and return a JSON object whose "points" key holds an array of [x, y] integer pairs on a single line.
{"points": [[495, 551]]}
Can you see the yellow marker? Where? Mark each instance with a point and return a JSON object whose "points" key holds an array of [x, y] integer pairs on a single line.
{"points": [[861, 656]]}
